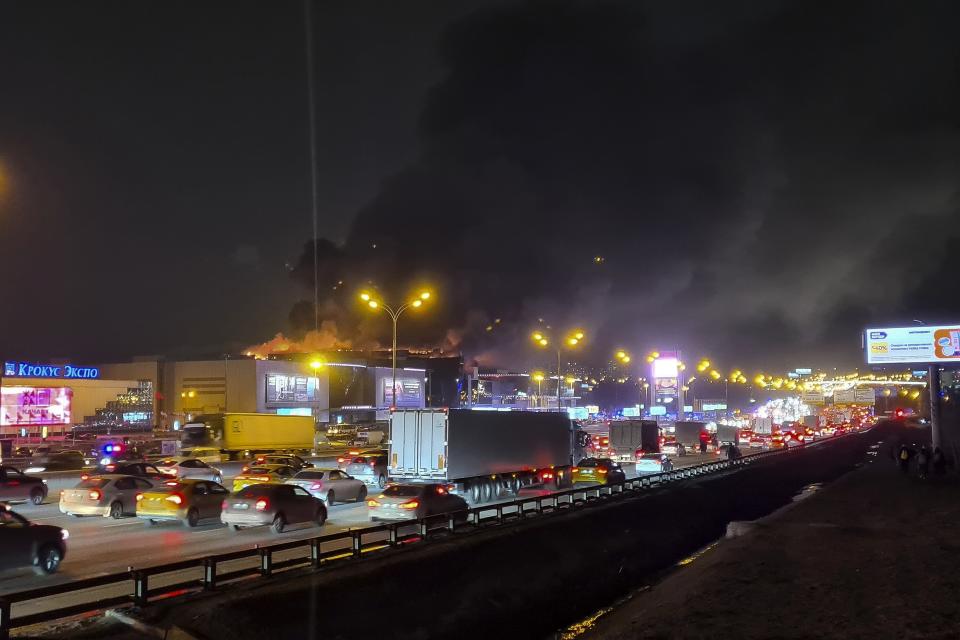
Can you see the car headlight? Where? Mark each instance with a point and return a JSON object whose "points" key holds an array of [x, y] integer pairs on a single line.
{"points": [[36, 470], [64, 534]]}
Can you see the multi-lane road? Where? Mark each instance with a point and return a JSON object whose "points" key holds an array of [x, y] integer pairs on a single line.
{"points": [[100, 546]]}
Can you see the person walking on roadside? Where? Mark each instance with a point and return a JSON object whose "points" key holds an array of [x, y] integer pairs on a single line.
{"points": [[939, 462], [923, 463], [903, 458]]}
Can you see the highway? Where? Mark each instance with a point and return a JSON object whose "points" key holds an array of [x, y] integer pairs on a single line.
{"points": [[100, 546]]}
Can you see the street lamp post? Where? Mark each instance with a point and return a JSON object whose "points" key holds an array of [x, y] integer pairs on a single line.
{"points": [[573, 340], [394, 314]]}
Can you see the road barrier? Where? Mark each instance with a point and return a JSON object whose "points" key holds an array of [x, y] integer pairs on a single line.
{"points": [[320, 550]]}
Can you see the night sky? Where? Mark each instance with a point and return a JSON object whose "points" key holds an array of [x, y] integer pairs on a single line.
{"points": [[762, 179]]}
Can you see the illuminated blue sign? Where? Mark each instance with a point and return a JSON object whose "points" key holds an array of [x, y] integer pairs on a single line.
{"points": [[13, 369]]}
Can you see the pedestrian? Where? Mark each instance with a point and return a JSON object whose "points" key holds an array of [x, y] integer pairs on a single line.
{"points": [[703, 445], [903, 458], [923, 463], [939, 462]]}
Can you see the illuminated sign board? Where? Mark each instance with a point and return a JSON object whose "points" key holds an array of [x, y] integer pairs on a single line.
{"points": [[913, 344], [35, 405], [282, 388], [631, 412], [714, 406], [409, 392], [593, 409], [14, 369], [666, 367], [658, 410], [577, 413], [803, 372]]}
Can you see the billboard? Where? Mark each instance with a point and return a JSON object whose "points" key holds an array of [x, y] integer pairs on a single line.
{"points": [[285, 389], [409, 392], [913, 344], [865, 396], [35, 405], [847, 396]]}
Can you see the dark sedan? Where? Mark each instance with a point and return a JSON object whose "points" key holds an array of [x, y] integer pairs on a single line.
{"points": [[17, 486], [277, 505], [24, 544]]}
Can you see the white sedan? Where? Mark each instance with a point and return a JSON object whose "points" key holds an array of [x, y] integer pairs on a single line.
{"points": [[184, 467], [650, 463]]}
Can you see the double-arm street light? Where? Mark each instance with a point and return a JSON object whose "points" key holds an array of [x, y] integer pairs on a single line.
{"points": [[542, 340], [394, 313]]}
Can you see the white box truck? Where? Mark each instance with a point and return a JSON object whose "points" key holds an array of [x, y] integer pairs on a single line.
{"points": [[486, 454]]}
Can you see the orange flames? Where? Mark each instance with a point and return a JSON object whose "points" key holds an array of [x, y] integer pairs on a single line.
{"points": [[325, 339]]}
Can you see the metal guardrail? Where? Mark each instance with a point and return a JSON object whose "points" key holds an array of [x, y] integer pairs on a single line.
{"points": [[317, 555]]}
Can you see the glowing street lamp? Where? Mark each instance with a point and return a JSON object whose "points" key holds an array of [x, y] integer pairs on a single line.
{"points": [[572, 340], [394, 314]]}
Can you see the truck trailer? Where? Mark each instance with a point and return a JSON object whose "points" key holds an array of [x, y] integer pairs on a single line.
{"points": [[627, 437], [486, 454], [243, 435], [690, 433]]}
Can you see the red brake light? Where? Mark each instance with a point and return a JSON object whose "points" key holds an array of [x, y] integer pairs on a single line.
{"points": [[412, 504], [175, 498], [341, 460], [547, 475], [94, 494], [223, 505], [111, 467], [261, 504], [373, 463], [372, 503], [84, 476], [575, 469], [441, 491]]}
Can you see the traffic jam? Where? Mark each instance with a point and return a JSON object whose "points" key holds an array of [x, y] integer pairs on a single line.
{"points": [[280, 490]]}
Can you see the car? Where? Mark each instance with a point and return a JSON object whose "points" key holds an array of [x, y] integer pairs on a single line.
{"points": [[22, 452], [744, 438], [59, 461], [188, 500], [264, 473], [140, 469], [108, 495], [330, 485], [183, 467], [277, 505], [673, 448], [757, 442], [793, 440], [110, 463], [415, 501], [42, 450], [17, 486], [209, 455], [346, 459], [290, 460], [650, 463], [371, 469], [24, 543], [601, 470]]}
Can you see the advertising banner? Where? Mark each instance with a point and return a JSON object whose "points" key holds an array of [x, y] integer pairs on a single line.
{"points": [[913, 344], [865, 396], [409, 392], [35, 405], [282, 388], [849, 396]]}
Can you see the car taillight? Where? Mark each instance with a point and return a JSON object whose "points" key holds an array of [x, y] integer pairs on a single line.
{"points": [[315, 486], [372, 503], [341, 460], [175, 498], [223, 506], [575, 469], [139, 497], [601, 470], [84, 476], [412, 504], [244, 470], [547, 475], [373, 464], [111, 467], [94, 495], [261, 504]]}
